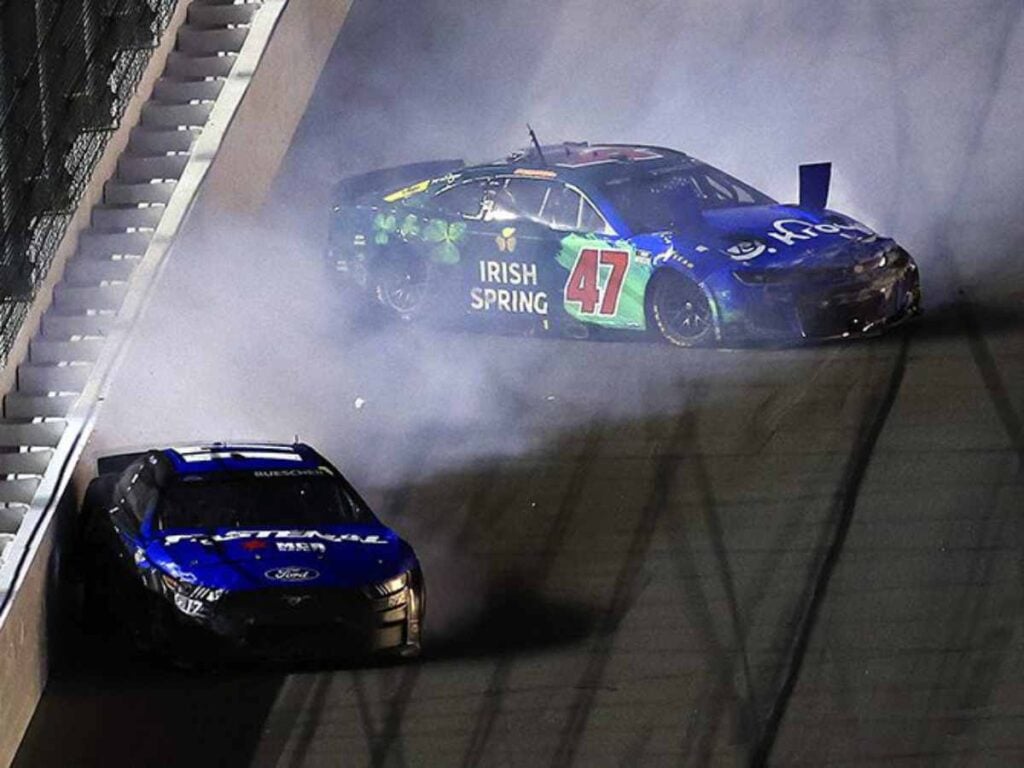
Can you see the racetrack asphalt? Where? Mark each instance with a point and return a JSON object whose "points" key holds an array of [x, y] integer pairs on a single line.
{"points": [[635, 555], [633, 590]]}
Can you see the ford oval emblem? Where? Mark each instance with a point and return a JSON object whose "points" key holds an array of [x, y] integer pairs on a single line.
{"points": [[292, 574]]}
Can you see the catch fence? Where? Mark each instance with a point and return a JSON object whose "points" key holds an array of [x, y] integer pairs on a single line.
{"points": [[68, 69]]}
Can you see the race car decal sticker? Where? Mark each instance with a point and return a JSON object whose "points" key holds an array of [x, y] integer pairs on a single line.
{"points": [[292, 574], [584, 285], [506, 239], [495, 294], [384, 225], [410, 227], [318, 472], [792, 231], [209, 539], [532, 173], [747, 249], [605, 283], [301, 546], [188, 606], [445, 236], [404, 192]]}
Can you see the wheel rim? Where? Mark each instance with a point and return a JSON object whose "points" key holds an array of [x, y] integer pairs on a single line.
{"points": [[404, 293], [683, 311]]}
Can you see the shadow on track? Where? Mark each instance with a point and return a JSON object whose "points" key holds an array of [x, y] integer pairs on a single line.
{"points": [[608, 544]]}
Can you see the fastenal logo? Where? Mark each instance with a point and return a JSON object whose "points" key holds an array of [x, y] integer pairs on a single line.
{"points": [[292, 574]]}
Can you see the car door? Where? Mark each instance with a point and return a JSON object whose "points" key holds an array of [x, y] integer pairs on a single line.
{"points": [[450, 235], [596, 277], [510, 286]]}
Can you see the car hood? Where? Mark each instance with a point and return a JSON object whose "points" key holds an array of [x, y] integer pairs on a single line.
{"points": [[784, 236], [233, 559]]}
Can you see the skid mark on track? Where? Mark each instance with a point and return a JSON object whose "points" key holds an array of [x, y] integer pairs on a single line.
{"points": [[777, 407], [971, 675], [389, 738], [720, 687], [627, 589], [313, 688], [490, 708], [390, 735], [974, 683], [304, 739], [729, 681], [365, 713], [846, 502]]}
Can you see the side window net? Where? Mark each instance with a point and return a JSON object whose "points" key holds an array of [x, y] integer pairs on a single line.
{"points": [[518, 199], [562, 208], [464, 200], [590, 220]]}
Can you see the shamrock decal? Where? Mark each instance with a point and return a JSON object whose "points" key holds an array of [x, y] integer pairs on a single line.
{"points": [[445, 235], [385, 225], [410, 227], [507, 239]]}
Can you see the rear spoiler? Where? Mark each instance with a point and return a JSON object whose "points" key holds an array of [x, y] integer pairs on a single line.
{"points": [[385, 180], [111, 465]]}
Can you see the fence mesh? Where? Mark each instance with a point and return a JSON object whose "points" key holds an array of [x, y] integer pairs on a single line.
{"points": [[68, 69]]}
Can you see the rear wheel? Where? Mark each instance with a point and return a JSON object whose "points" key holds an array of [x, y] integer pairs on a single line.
{"points": [[680, 311], [402, 286]]}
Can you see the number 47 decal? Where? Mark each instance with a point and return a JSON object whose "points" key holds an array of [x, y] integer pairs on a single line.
{"points": [[585, 285]]}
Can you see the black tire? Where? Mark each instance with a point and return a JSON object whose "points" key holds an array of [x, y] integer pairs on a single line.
{"points": [[680, 311], [89, 572], [403, 286]]}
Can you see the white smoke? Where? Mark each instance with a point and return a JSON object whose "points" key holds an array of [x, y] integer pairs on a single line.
{"points": [[917, 103]]}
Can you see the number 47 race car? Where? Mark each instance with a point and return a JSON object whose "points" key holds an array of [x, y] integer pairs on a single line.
{"points": [[569, 238], [245, 549]]}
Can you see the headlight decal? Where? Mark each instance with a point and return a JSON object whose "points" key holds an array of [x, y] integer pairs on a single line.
{"points": [[191, 591], [745, 250], [388, 587]]}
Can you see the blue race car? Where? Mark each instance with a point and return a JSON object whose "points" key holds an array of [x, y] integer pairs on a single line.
{"points": [[260, 548], [569, 238]]}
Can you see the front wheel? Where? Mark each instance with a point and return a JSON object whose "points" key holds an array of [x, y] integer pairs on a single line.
{"points": [[680, 311]]}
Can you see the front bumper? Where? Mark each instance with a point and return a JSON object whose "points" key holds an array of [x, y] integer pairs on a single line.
{"points": [[296, 623], [821, 309]]}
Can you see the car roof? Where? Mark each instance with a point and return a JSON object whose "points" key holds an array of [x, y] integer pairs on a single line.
{"points": [[580, 161], [204, 458]]}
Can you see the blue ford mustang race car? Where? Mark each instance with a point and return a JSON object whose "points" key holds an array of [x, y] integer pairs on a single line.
{"points": [[570, 238], [262, 548]]}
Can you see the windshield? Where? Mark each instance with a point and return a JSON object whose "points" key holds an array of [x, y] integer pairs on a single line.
{"points": [[659, 200], [248, 502]]}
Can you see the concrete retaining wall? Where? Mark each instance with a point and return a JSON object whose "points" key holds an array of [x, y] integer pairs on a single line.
{"points": [[261, 132]]}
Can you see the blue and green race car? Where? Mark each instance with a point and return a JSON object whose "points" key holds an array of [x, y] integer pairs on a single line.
{"points": [[570, 238]]}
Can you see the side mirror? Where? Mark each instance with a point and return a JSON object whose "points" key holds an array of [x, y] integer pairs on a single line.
{"points": [[815, 179]]}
